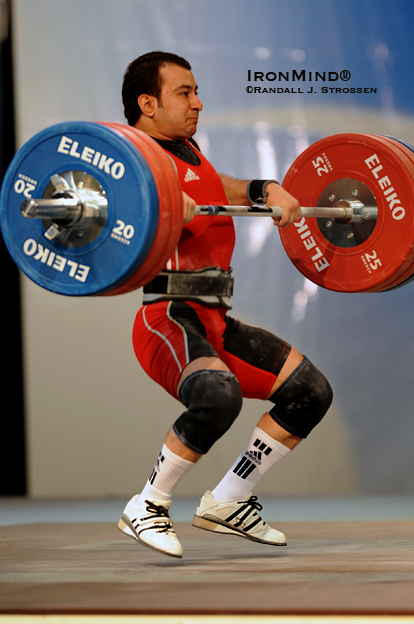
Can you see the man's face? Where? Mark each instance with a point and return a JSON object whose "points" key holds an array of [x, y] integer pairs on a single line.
{"points": [[176, 113]]}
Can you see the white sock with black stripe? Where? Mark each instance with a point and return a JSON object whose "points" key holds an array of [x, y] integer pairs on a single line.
{"points": [[168, 471], [257, 457]]}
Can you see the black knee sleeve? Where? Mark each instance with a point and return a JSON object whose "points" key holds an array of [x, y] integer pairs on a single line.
{"points": [[213, 400], [302, 400]]}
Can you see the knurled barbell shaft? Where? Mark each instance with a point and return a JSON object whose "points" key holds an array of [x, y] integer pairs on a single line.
{"points": [[275, 211], [64, 208]]}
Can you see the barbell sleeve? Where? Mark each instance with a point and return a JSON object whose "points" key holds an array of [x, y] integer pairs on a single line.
{"points": [[57, 209]]}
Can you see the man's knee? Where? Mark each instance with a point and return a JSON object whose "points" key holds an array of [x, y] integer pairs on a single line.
{"points": [[302, 400], [213, 399]]}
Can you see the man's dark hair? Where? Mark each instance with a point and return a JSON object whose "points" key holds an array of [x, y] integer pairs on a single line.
{"points": [[143, 76]]}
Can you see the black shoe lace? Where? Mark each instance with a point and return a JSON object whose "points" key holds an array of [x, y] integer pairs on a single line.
{"points": [[253, 506], [253, 502], [158, 511]]}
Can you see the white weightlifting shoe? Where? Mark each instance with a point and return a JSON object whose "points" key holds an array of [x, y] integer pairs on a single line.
{"points": [[236, 518], [150, 524]]}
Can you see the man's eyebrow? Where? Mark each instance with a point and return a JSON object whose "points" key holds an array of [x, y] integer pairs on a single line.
{"points": [[184, 86]]}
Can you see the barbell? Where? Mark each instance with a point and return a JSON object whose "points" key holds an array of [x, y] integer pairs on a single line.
{"points": [[96, 209]]}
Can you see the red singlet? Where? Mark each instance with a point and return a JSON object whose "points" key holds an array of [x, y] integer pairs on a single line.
{"points": [[205, 241]]}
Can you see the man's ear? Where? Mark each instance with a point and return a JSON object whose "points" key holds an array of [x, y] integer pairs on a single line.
{"points": [[147, 104]]}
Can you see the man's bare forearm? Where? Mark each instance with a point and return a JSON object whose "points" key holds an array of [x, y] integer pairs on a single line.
{"points": [[235, 190]]}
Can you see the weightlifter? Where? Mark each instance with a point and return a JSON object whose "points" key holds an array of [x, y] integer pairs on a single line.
{"points": [[186, 341]]}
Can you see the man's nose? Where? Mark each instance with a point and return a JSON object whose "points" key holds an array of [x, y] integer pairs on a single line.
{"points": [[196, 103]]}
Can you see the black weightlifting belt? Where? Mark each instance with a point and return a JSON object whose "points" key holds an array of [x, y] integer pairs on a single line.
{"points": [[210, 286]]}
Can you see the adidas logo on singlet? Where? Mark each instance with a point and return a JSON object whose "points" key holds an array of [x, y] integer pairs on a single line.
{"points": [[190, 176]]}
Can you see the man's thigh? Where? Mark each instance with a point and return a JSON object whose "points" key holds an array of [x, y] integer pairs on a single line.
{"points": [[258, 358], [168, 337]]}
